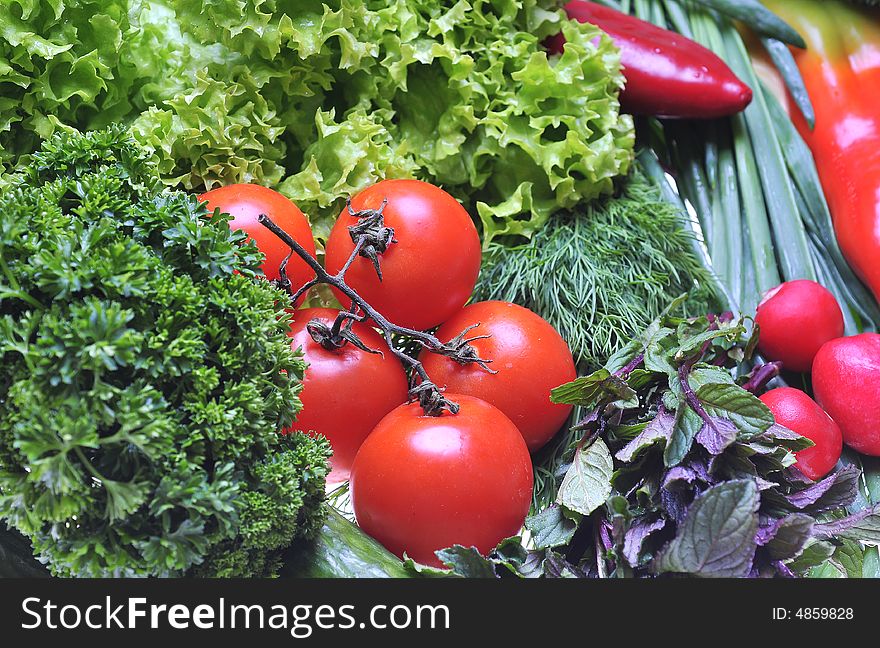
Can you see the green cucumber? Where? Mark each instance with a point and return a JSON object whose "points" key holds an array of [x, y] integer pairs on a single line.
{"points": [[341, 550]]}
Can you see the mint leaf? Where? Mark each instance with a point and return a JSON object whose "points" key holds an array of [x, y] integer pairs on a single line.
{"points": [[466, 562], [687, 425], [752, 343], [779, 435], [786, 537], [871, 477], [425, 571], [717, 537], [659, 429], [587, 484], [815, 553], [509, 554], [693, 343], [746, 410], [850, 559], [551, 528], [623, 356], [658, 350], [828, 569], [702, 375], [871, 563], [598, 387]]}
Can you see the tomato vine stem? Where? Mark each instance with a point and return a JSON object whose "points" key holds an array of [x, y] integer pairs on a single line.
{"points": [[422, 388]]}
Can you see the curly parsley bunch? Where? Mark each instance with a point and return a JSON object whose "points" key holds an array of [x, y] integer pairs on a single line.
{"points": [[146, 375]]}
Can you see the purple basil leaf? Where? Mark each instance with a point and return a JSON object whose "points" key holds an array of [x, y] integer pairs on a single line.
{"points": [[837, 490], [533, 565], [701, 469], [783, 569], [589, 418], [795, 476], [605, 535], [674, 503], [767, 531], [717, 434], [786, 537], [863, 526], [555, 566], [635, 538], [660, 429], [679, 477]]}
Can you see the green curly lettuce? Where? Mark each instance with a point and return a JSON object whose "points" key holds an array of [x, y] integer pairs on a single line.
{"points": [[321, 98], [84, 64], [214, 133]]}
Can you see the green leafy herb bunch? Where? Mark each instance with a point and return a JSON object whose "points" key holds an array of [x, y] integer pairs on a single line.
{"points": [[677, 468], [146, 374]]}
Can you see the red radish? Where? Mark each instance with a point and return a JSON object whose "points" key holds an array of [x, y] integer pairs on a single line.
{"points": [[846, 382], [793, 409], [796, 318]]}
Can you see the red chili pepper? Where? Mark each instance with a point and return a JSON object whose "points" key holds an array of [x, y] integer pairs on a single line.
{"points": [[841, 70], [667, 75]]}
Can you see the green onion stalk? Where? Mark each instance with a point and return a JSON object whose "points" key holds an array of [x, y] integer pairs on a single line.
{"points": [[750, 181]]}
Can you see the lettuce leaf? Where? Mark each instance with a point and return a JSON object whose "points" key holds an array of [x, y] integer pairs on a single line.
{"points": [[321, 98]]}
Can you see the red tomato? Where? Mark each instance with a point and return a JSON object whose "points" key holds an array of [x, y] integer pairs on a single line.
{"points": [[245, 202], [796, 318], [430, 272], [793, 409], [531, 358], [346, 391], [422, 483]]}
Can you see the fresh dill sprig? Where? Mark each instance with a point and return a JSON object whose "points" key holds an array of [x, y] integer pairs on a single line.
{"points": [[603, 271], [599, 274]]}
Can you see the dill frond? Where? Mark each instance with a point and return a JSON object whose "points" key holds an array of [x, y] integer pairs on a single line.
{"points": [[603, 271], [599, 274]]}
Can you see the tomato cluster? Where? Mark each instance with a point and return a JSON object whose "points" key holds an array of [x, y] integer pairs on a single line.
{"points": [[419, 482]]}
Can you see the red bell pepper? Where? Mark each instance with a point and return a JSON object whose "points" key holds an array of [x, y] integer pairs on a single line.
{"points": [[667, 75], [841, 70]]}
